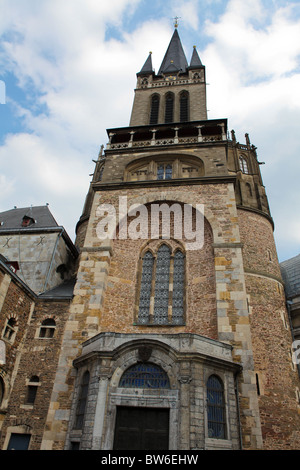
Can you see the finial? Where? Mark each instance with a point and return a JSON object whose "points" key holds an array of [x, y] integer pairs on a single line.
{"points": [[176, 21]]}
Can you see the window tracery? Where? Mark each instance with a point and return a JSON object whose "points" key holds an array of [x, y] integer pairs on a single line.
{"points": [[161, 297]]}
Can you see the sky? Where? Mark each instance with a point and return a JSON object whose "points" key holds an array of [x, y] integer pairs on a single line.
{"points": [[68, 72]]}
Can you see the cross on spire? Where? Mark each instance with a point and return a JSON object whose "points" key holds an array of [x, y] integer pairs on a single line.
{"points": [[176, 21]]}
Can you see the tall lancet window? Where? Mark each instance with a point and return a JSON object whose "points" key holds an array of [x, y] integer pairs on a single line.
{"points": [[244, 165], [184, 106], [169, 109], [162, 280], [154, 109], [161, 298]]}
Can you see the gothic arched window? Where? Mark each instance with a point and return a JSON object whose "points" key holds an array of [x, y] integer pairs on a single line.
{"points": [[216, 420], [154, 109], [184, 106], [169, 108], [161, 299], [144, 375], [81, 406], [244, 165]]}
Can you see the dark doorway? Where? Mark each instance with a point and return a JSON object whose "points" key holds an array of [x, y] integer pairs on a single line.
{"points": [[141, 428], [19, 441]]}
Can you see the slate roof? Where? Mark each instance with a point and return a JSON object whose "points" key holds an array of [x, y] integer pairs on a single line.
{"points": [[290, 270], [63, 291], [147, 67], [12, 219], [174, 60], [195, 60]]}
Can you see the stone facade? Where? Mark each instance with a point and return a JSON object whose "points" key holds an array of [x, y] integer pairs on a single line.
{"points": [[233, 328]]}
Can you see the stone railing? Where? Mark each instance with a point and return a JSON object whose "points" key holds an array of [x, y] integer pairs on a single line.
{"points": [[133, 138]]}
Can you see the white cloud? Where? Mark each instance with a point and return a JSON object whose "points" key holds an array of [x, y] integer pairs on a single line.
{"points": [[86, 82]]}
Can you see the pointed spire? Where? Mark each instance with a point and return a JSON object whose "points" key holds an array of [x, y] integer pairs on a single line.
{"points": [[147, 67], [195, 60], [174, 60]]}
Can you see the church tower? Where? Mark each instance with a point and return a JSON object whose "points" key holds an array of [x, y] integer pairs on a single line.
{"points": [[178, 335]]}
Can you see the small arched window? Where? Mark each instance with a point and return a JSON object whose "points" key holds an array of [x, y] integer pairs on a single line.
{"points": [[169, 108], [244, 165], [47, 328], [184, 106], [81, 406], [216, 420], [161, 299], [154, 109], [144, 375]]}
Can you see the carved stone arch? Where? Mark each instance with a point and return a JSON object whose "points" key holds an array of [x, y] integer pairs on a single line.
{"points": [[129, 354]]}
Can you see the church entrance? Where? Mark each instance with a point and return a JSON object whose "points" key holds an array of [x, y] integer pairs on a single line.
{"points": [[141, 428]]}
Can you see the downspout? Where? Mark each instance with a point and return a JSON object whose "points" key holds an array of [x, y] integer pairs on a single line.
{"points": [[52, 259]]}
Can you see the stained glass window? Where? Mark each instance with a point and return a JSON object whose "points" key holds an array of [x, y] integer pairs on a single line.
{"points": [[243, 165], [164, 172], [146, 283], [215, 408], [168, 173], [168, 307], [178, 289], [145, 375], [160, 172], [162, 279]]}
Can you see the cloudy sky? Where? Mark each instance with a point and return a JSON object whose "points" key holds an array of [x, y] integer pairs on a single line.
{"points": [[68, 72]]}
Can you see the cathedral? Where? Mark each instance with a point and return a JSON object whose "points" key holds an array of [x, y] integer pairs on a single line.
{"points": [[165, 326]]}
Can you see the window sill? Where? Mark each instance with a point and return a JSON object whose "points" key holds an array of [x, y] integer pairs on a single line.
{"points": [[217, 444]]}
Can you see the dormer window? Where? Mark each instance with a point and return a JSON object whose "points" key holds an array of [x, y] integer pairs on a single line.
{"points": [[27, 221]]}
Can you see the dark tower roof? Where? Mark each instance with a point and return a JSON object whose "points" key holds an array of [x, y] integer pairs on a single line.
{"points": [[195, 60], [174, 60], [147, 67]]}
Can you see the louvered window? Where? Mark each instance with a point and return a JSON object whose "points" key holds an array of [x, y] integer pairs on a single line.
{"points": [[184, 107], [169, 111], [154, 109]]}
